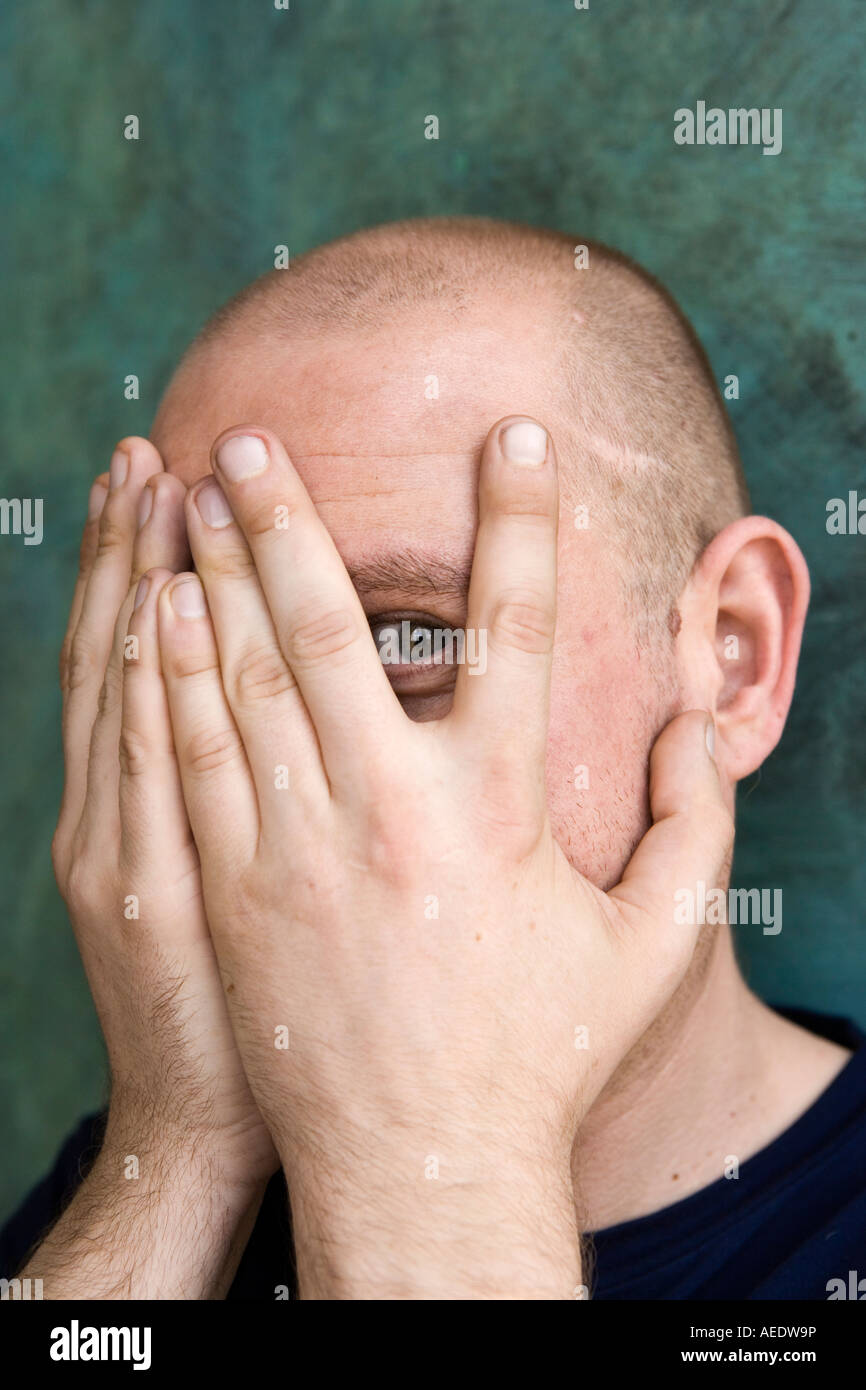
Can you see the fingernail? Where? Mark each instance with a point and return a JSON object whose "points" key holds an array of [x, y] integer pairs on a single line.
{"points": [[711, 739], [213, 507], [145, 506], [242, 456], [187, 599], [141, 592], [96, 501], [524, 442], [118, 468]]}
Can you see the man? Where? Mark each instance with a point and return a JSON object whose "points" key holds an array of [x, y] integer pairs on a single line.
{"points": [[405, 935]]}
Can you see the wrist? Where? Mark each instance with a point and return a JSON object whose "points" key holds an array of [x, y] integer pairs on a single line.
{"points": [[409, 1224], [179, 1162], [152, 1220]]}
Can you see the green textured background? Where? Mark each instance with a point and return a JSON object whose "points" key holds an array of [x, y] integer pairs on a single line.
{"points": [[261, 127]]}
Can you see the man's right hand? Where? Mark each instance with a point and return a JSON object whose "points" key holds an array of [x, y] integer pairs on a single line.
{"points": [[186, 1154]]}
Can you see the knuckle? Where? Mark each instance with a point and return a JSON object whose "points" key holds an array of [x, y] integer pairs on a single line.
{"points": [[186, 666], [81, 664], [113, 534], [395, 851], [499, 807], [59, 855], [82, 889], [87, 549], [208, 750], [523, 622], [260, 675], [401, 833], [261, 518], [534, 507], [323, 637], [109, 694], [63, 664], [271, 514], [233, 562], [133, 750]]}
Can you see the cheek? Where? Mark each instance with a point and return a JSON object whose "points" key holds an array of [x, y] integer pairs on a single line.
{"points": [[601, 732]]}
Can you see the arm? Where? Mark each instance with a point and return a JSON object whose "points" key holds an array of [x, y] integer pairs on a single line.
{"points": [[176, 1232], [186, 1154]]}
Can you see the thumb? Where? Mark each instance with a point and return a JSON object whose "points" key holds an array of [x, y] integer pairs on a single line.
{"points": [[692, 833]]}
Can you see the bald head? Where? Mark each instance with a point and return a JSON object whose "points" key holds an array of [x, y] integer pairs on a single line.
{"points": [[646, 450]]}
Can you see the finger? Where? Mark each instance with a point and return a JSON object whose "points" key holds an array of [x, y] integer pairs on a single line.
{"points": [[502, 703], [154, 826], [107, 582], [261, 690], [217, 782], [160, 539], [692, 835], [86, 556], [160, 542], [318, 617], [75, 767]]}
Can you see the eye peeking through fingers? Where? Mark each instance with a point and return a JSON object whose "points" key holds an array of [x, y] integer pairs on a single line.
{"points": [[420, 653]]}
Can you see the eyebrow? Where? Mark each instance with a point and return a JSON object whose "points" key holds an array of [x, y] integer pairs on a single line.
{"points": [[412, 573]]}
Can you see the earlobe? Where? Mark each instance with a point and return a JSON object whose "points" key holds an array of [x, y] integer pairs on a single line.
{"points": [[754, 587]]}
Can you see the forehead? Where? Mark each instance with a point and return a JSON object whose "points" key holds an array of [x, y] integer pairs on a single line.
{"points": [[383, 419], [386, 430]]}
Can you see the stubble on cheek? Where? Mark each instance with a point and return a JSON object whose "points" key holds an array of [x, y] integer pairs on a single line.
{"points": [[599, 749]]}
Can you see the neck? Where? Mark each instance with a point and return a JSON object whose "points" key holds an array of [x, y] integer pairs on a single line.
{"points": [[717, 1075]]}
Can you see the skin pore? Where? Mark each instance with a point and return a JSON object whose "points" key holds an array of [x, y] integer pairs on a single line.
{"points": [[392, 473]]}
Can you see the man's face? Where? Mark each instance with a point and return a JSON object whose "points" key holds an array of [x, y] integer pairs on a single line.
{"points": [[385, 427]]}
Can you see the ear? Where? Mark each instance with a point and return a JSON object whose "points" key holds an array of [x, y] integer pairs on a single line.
{"points": [[743, 611]]}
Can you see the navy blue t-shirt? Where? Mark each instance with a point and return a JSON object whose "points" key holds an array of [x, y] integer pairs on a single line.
{"points": [[792, 1221]]}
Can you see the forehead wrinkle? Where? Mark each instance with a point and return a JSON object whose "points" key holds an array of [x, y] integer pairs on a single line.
{"points": [[398, 454], [333, 487]]}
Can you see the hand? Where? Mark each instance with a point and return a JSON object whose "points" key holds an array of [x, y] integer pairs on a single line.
{"points": [[128, 869], [413, 1037]]}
